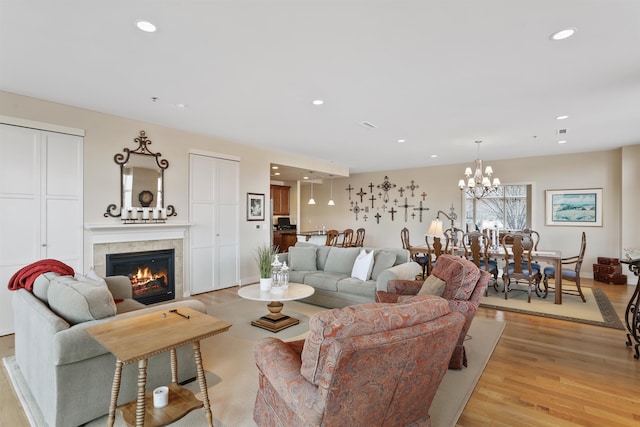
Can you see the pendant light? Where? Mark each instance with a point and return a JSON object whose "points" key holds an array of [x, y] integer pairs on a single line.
{"points": [[331, 202], [312, 200]]}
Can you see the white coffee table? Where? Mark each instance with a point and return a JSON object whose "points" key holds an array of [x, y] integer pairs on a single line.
{"points": [[275, 321]]}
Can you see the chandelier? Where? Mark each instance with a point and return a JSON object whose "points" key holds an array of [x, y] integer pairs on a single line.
{"points": [[479, 185]]}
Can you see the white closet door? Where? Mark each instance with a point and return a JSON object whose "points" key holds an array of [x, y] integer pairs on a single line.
{"points": [[63, 197], [214, 223], [40, 204]]}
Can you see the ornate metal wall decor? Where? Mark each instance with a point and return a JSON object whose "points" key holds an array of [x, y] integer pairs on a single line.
{"points": [[420, 209], [141, 185], [361, 193], [377, 217], [412, 187], [385, 187], [392, 211], [406, 206], [349, 189]]}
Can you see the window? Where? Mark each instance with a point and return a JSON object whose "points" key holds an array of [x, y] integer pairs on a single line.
{"points": [[509, 208]]}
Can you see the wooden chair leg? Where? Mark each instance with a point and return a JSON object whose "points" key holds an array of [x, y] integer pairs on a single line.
{"points": [[580, 289]]}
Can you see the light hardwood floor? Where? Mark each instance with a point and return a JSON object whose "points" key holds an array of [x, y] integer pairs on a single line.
{"points": [[543, 372]]}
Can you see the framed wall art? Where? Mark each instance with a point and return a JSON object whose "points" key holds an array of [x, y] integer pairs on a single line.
{"points": [[574, 207], [255, 207]]}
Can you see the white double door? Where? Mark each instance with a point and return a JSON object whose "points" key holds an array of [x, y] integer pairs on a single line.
{"points": [[40, 204], [214, 218]]}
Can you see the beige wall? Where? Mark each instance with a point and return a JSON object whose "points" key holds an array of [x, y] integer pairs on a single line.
{"points": [[106, 135], [617, 172], [585, 170]]}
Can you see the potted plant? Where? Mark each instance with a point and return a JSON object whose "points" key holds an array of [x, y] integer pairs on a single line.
{"points": [[264, 258]]}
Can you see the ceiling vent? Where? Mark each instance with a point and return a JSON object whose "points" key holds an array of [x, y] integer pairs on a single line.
{"points": [[562, 131], [368, 125]]}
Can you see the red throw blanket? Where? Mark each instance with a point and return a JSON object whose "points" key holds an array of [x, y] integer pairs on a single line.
{"points": [[25, 277]]}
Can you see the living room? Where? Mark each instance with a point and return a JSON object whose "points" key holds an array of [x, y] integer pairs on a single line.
{"points": [[106, 132]]}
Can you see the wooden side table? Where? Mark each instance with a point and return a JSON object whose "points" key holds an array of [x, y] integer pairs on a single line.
{"points": [[135, 339]]}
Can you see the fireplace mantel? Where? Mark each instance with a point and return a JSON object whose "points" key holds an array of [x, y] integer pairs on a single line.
{"points": [[116, 233]]}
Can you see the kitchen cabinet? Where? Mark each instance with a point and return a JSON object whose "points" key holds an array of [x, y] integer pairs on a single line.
{"points": [[280, 197]]}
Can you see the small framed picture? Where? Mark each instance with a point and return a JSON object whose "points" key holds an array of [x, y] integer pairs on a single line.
{"points": [[574, 207], [255, 207]]}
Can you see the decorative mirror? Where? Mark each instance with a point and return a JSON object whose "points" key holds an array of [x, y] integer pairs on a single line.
{"points": [[141, 185]]}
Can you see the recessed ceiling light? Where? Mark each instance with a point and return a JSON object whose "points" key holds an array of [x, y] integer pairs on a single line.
{"points": [[275, 167], [562, 117], [181, 105], [305, 177], [318, 102], [277, 173], [146, 26], [563, 34], [433, 156], [402, 140], [562, 142]]}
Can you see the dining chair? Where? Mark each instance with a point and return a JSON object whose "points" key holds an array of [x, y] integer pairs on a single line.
{"points": [[359, 240], [332, 238], [347, 238], [419, 257], [570, 274], [476, 249], [434, 249], [518, 265], [453, 239], [530, 239]]}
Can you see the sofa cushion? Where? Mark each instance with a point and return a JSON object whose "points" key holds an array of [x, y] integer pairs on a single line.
{"points": [[460, 274], [302, 258], [353, 286], [381, 261], [432, 286], [79, 301], [41, 285], [364, 319], [324, 280], [363, 265], [340, 260]]}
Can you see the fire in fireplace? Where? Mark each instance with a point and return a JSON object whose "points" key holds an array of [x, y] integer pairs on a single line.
{"points": [[151, 273]]}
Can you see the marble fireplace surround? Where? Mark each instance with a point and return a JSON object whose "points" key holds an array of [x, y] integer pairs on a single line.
{"points": [[110, 239]]}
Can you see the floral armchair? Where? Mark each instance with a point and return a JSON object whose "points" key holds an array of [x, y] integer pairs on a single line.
{"points": [[366, 365], [465, 285]]}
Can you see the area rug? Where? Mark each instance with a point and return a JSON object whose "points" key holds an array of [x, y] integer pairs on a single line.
{"points": [[232, 377], [598, 310]]}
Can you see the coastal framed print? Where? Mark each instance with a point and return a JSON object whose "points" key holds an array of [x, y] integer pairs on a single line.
{"points": [[255, 207], [574, 207]]}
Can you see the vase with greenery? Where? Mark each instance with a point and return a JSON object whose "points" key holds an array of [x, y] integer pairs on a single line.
{"points": [[264, 258]]}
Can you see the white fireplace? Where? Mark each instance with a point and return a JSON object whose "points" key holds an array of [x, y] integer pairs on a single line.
{"points": [[101, 240]]}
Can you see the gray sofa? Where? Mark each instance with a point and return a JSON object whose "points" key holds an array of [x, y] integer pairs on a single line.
{"points": [[328, 269], [68, 372]]}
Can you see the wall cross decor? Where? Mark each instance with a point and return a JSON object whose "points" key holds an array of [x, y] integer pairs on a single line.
{"points": [[349, 188], [385, 187], [365, 217], [371, 187], [393, 212], [373, 199], [377, 217], [361, 194], [412, 187], [356, 210], [420, 209], [401, 191], [424, 195], [406, 206]]}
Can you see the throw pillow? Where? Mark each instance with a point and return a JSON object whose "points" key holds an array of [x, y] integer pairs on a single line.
{"points": [[302, 258], [432, 286], [78, 301], [362, 266], [382, 261]]}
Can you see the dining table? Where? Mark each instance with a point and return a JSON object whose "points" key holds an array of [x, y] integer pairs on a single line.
{"points": [[551, 256]]}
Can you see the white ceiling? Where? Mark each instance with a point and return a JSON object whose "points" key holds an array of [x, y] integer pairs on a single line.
{"points": [[439, 74]]}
